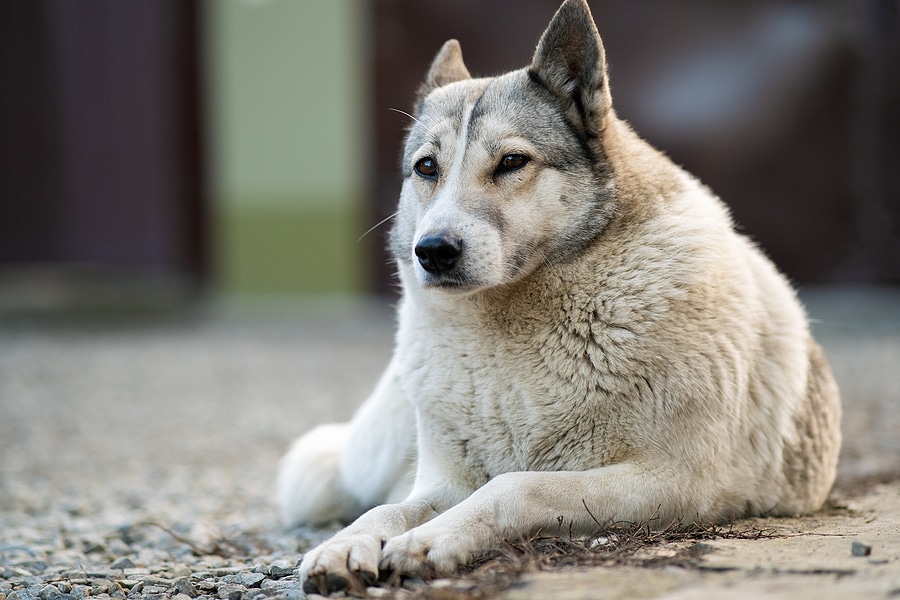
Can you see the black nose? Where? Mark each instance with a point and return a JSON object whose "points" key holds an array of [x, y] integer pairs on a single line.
{"points": [[438, 252]]}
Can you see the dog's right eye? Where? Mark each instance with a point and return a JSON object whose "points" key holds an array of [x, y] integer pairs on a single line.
{"points": [[426, 167], [511, 162]]}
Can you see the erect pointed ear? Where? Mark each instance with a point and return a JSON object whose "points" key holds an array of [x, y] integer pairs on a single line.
{"points": [[446, 67], [571, 63]]}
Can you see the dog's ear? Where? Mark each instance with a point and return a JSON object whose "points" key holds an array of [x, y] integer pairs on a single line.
{"points": [[571, 63], [446, 67]]}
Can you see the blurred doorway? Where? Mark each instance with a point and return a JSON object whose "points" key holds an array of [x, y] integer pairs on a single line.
{"points": [[100, 151]]}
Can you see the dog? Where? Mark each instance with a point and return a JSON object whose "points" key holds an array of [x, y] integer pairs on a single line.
{"points": [[582, 335]]}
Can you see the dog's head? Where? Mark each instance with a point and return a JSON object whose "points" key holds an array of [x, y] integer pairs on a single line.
{"points": [[505, 174]]}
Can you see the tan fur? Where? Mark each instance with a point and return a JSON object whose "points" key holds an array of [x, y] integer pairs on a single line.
{"points": [[589, 331]]}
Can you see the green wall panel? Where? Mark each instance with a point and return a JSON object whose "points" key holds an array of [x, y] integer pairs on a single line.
{"points": [[308, 249], [287, 139]]}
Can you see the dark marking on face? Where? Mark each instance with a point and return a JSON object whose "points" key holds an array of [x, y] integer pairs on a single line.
{"points": [[486, 211], [517, 261], [478, 110], [445, 108]]}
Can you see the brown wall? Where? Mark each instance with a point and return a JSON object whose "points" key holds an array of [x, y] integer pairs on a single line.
{"points": [[99, 135]]}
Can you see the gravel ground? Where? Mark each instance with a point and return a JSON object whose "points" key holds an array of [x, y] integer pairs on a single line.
{"points": [[137, 457], [138, 460]]}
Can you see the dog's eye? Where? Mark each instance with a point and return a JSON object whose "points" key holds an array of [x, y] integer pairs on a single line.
{"points": [[511, 162], [426, 167]]}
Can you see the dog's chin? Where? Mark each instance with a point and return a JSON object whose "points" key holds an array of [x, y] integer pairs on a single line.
{"points": [[456, 284], [449, 285]]}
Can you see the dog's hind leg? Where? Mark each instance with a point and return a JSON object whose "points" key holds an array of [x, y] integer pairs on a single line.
{"points": [[310, 488], [337, 471]]}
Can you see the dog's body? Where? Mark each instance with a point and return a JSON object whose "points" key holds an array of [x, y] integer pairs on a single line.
{"points": [[581, 328]]}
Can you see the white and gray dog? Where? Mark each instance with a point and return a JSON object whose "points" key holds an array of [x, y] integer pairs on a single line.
{"points": [[580, 328]]}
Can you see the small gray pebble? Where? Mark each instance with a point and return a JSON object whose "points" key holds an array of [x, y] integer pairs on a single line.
{"points": [[123, 563], [276, 571], [105, 586], [252, 579], [94, 548], [184, 586], [860, 549], [153, 589], [47, 590], [228, 589]]}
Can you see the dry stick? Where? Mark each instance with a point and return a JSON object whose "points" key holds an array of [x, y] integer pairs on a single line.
{"points": [[591, 514], [215, 549]]}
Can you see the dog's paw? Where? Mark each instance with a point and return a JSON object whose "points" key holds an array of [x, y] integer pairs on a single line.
{"points": [[424, 552], [341, 564]]}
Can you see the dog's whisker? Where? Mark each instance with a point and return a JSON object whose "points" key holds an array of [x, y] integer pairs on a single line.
{"points": [[403, 112], [376, 226]]}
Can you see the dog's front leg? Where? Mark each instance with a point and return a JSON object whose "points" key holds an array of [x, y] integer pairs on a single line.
{"points": [[349, 560], [519, 504]]}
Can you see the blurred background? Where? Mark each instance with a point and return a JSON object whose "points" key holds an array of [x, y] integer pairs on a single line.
{"points": [[162, 152], [184, 185]]}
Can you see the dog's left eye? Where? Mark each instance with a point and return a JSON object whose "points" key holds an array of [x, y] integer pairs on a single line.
{"points": [[426, 167], [511, 162]]}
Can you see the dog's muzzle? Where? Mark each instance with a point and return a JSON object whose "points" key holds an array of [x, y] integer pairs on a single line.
{"points": [[438, 253]]}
